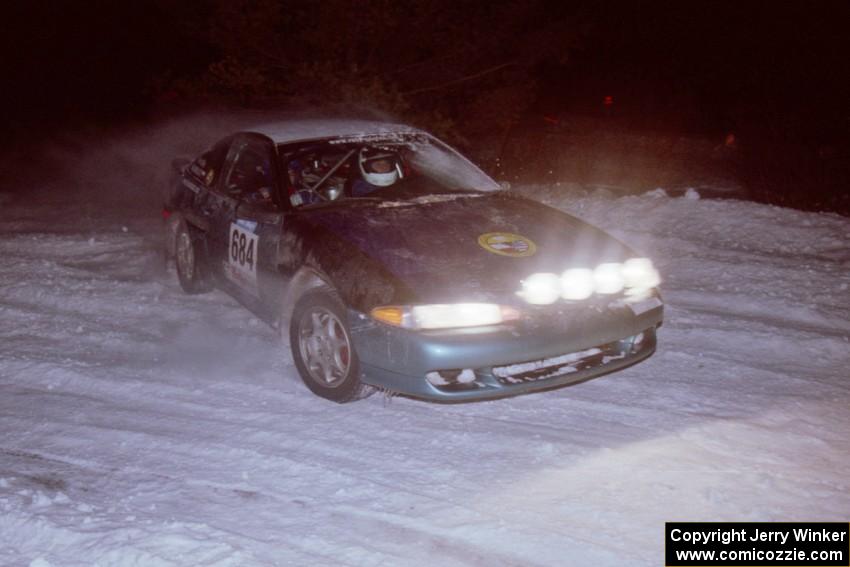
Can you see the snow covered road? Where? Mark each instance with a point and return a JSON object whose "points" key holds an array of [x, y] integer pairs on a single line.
{"points": [[140, 426]]}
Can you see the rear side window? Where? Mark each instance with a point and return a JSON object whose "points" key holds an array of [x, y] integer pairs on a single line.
{"points": [[251, 170], [207, 167]]}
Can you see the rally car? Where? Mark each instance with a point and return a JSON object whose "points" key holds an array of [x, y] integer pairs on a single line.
{"points": [[389, 261]]}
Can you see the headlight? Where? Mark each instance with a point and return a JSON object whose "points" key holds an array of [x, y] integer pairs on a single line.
{"points": [[445, 316]]}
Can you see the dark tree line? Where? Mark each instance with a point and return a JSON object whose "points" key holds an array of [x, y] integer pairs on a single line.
{"points": [[458, 67], [771, 72]]}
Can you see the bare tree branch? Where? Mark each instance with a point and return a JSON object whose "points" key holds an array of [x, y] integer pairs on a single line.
{"points": [[460, 80], [432, 60]]}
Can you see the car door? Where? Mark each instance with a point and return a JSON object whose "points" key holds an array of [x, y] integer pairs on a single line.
{"points": [[249, 224], [191, 194], [217, 208]]}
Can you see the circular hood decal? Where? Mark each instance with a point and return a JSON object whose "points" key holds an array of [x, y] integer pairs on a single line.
{"points": [[507, 244]]}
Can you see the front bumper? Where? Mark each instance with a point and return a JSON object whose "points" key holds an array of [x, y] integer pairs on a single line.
{"points": [[576, 344]]}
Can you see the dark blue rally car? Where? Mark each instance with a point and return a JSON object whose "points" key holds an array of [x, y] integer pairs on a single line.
{"points": [[389, 261]]}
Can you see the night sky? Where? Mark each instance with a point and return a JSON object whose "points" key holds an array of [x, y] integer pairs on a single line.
{"points": [[723, 61], [90, 60]]}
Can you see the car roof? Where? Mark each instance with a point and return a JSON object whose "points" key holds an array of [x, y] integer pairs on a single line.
{"points": [[301, 130]]}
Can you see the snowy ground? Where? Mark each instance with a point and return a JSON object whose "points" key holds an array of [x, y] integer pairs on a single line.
{"points": [[140, 426]]}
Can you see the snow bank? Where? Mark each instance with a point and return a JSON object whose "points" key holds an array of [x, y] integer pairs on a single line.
{"points": [[139, 426]]}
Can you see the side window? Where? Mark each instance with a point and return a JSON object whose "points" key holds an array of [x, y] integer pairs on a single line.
{"points": [[207, 167], [250, 176], [317, 173]]}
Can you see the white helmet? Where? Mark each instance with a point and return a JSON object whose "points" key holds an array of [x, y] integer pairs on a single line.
{"points": [[380, 168]]}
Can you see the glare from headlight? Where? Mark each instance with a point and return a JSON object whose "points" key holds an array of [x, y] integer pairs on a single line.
{"points": [[445, 316], [637, 276], [541, 289], [456, 315], [608, 278], [577, 284], [640, 274]]}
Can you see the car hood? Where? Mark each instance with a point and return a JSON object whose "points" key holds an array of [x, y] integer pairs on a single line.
{"points": [[465, 247]]}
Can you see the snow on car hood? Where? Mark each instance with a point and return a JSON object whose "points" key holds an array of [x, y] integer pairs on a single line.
{"points": [[469, 248]]}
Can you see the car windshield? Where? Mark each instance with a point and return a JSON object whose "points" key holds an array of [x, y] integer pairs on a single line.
{"points": [[398, 168]]}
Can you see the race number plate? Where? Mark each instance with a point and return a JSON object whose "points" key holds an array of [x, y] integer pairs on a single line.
{"points": [[241, 265]]}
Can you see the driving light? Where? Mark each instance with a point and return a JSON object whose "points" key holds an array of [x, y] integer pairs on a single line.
{"points": [[541, 289], [445, 316], [637, 276], [577, 283], [640, 274], [608, 278]]}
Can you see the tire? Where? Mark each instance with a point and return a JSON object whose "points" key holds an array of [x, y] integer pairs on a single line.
{"points": [[322, 349], [191, 258]]}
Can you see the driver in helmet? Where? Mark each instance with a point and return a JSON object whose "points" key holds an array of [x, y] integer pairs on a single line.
{"points": [[378, 168]]}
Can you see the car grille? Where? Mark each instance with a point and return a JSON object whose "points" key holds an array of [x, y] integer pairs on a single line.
{"points": [[535, 370]]}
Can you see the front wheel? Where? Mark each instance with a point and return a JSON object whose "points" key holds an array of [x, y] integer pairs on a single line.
{"points": [[322, 349]]}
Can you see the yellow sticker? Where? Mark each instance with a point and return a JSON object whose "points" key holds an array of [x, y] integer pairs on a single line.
{"points": [[507, 244]]}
